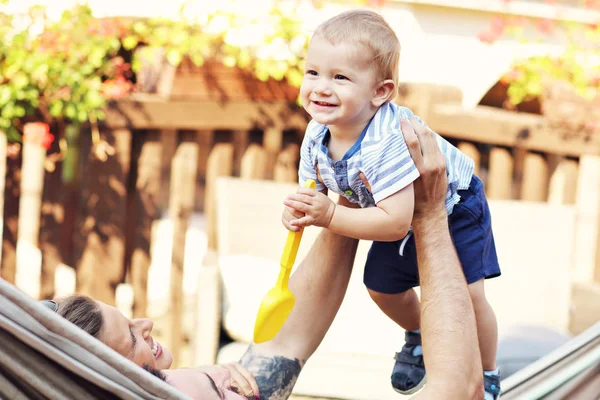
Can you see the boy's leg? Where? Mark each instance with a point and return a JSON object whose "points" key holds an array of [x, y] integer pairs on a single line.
{"points": [[487, 327], [390, 275], [402, 308]]}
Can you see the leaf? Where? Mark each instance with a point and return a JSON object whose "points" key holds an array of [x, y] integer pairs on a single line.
{"points": [[174, 57], [129, 42]]}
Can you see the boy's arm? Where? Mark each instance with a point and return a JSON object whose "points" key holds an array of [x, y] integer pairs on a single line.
{"points": [[387, 222]]}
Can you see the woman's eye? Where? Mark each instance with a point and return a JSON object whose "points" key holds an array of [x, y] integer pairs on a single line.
{"points": [[341, 77], [311, 72]]}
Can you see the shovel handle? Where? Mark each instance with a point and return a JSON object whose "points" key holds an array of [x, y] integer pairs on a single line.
{"points": [[293, 239]]}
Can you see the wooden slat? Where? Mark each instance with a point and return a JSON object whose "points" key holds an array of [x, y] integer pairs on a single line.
{"points": [[254, 163], [500, 178], [220, 163], [534, 185], [563, 183], [183, 182], [586, 260], [286, 167], [240, 144], [52, 220], [506, 128], [272, 142], [32, 182], [104, 212], [8, 266], [585, 299], [148, 148], [153, 112], [472, 152]]}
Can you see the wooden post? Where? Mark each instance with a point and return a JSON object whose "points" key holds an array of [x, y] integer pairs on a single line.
{"points": [[563, 183], [586, 258], [12, 190], [254, 163], [101, 266], [286, 168], [148, 148], [3, 154], [272, 142], [472, 152], [183, 182], [534, 186], [499, 185], [28, 277], [240, 144], [56, 191], [220, 163], [205, 139]]}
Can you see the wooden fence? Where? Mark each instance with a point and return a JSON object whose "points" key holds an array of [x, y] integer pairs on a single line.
{"points": [[169, 153]]}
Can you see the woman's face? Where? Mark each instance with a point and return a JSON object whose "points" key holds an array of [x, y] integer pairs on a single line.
{"points": [[131, 338]]}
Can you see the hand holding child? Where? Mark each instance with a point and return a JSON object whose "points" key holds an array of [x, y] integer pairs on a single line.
{"points": [[307, 207]]}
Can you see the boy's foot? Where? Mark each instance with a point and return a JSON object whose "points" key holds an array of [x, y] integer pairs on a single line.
{"points": [[408, 375], [491, 383]]}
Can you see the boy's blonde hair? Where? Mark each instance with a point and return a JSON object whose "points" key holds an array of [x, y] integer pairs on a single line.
{"points": [[369, 30]]}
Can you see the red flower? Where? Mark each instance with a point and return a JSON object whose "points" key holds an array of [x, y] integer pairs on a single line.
{"points": [[38, 133], [116, 88], [545, 25], [487, 37]]}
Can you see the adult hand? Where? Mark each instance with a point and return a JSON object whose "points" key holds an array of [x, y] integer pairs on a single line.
{"points": [[242, 381], [432, 185]]}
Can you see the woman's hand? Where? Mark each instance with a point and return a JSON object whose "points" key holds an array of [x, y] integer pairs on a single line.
{"points": [[242, 381]]}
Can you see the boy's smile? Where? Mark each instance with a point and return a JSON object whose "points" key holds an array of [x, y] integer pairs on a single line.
{"points": [[338, 85]]}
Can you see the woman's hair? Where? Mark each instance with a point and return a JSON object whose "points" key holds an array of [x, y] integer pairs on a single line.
{"points": [[83, 312]]}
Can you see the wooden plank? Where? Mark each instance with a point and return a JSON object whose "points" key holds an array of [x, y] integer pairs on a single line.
{"points": [[500, 178], [286, 167], [153, 112], [148, 148], [563, 183], [254, 163], [12, 190], [272, 142], [104, 212], [586, 251], [534, 186], [505, 128], [585, 298], [183, 182], [51, 222], [240, 144], [32, 182], [473, 153], [220, 163]]}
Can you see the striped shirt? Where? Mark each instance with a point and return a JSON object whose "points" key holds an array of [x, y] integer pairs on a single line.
{"points": [[382, 156]]}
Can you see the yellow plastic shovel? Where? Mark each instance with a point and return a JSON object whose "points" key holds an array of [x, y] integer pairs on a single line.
{"points": [[279, 301]]}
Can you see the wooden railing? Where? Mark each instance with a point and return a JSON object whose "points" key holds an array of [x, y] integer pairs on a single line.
{"points": [[168, 155]]}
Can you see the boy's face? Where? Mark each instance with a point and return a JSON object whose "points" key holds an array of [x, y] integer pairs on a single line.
{"points": [[338, 85]]}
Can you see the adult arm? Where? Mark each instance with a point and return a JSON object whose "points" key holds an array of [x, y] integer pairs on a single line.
{"points": [[448, 329], [319, 284]]}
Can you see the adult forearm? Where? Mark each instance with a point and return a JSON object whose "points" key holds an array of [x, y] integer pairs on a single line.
{"points": [[319, 284], [447, 319], [371, 223]]}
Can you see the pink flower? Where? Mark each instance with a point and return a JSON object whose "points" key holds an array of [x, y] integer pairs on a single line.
{"points": [[116, 88], [38, 133]]}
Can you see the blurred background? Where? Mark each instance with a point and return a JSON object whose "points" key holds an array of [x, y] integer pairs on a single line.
{"points": [[146, 147]]}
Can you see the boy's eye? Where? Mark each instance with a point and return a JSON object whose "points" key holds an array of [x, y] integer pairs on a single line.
{"points": [[311, 72], [341, 77]]}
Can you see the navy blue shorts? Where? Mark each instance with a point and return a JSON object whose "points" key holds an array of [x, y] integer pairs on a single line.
{"points": [[392, 266]]}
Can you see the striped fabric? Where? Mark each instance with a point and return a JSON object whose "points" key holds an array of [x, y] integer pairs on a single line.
{"points": [[382, 156]]}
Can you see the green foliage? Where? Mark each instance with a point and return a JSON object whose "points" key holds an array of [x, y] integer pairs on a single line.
{"points": [[578, 66], [75, 65]]}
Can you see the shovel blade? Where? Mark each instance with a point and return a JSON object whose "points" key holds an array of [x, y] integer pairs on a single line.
{"points": [[272, 313]]}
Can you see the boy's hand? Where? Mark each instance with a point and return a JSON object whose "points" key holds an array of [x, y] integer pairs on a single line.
{"points": [[289, 215], [317, 208]]}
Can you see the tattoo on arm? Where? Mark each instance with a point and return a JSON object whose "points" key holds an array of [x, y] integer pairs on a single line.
{"points": [[275, 375]]}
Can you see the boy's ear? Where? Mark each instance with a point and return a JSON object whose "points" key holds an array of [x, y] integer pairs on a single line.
{"points": [[383, 92]]}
